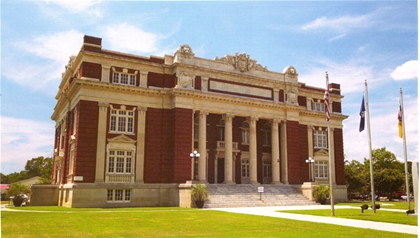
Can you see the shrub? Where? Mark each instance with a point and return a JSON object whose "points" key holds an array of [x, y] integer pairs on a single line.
{"points": [[321, 193]]}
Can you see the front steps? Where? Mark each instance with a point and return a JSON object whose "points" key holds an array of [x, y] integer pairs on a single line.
{"points": [[247, 195]]}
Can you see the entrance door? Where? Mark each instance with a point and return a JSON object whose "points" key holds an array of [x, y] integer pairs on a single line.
{"points": [[267, 172], [220, 170], [245, 171]]}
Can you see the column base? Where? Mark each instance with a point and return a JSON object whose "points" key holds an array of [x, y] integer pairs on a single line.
{"points": [[229, 182]]}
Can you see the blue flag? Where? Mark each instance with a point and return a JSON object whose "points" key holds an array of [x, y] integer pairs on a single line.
{"points": [[362, 115]]}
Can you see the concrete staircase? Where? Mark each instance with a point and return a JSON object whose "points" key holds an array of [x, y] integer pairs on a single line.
{"points": [[247, 195]]}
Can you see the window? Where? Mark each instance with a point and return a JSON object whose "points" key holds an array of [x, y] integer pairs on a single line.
{"points": [[71, 163], [245, 133], [320, 139], [266, 135], [124, 78], [120, 161], [119, 195], [74, 121], [122, 121], [222, 130], [196, 129], [319, 107], [321, 169]]}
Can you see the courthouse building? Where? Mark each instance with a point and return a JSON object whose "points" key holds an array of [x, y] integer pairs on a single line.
{"points": [[126, 125]]}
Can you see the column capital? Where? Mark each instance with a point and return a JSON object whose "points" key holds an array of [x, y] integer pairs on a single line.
{"points": [[252, 119], [276, 120], [228, 116], [203, 113], [103, 104]]}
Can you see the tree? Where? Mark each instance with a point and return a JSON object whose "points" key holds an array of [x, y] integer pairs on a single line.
{"points": [[388, 174], [40, 167], [355, 176], [17, 189]]}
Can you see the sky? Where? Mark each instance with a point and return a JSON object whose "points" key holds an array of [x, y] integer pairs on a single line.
{"points": [[355, 41]]}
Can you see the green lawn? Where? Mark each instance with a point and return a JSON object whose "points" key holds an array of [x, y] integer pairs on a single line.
{"points": [[380, 215], [163, 222], [389, 205]]}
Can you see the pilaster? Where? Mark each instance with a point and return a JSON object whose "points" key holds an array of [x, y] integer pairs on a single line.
{"points": [[101, 142]]}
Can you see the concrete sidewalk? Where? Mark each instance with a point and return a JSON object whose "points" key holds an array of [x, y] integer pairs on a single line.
{"points": [[272, 212]]}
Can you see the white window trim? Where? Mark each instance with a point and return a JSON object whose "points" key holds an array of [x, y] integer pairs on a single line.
{"points": [[124, 195], [125, 72], [324, 164], [118, 117], [323, 143]]}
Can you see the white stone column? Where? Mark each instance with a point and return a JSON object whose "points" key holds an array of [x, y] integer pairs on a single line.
{"points": [[228, 149], [143, 79], [283, 160], [253, 150], [101, 142], [202, 139], [310, 141], [275, 150], [141, 137]]}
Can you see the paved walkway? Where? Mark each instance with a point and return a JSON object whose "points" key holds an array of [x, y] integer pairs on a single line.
{"points": [[272, 212]]}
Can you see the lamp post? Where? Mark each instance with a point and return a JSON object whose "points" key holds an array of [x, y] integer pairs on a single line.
{"points": [[310, 162], [195, 155]]}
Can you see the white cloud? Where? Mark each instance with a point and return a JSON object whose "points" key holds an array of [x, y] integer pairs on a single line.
{"points": [[128, 38], [51, 53], [58, 46], [80, 6], [342, 23], [408, 70], [384, 131], [350, 75], [22, 140]]}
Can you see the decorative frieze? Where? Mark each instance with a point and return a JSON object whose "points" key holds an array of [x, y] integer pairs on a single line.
{"points": [[241, 62]]}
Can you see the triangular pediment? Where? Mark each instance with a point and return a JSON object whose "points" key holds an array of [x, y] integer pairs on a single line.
{"points": [[321, 153], [121, 139]]}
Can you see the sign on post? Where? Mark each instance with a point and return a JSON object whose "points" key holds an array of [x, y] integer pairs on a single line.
{"points": [[260, 190]]}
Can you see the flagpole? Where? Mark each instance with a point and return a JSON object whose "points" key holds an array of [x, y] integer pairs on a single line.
{"points": [[407, 183], [372, 185], [330, 167]]}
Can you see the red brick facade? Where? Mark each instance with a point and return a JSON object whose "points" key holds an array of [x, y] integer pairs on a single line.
{"points": [[164, 101]]}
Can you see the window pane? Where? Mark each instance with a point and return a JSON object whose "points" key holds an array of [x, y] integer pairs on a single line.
{"points": [[118, 195], [120, 165], [121, 124], [115, 80], [130, 124], [132, 80], [127, 195], [111, 161], [128, 166], [109, 195], [113, 123], [124, 78]]}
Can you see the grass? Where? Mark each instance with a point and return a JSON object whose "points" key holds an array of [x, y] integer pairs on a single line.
{"points": [[388, 205], [163, 222], [397, 217]]}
